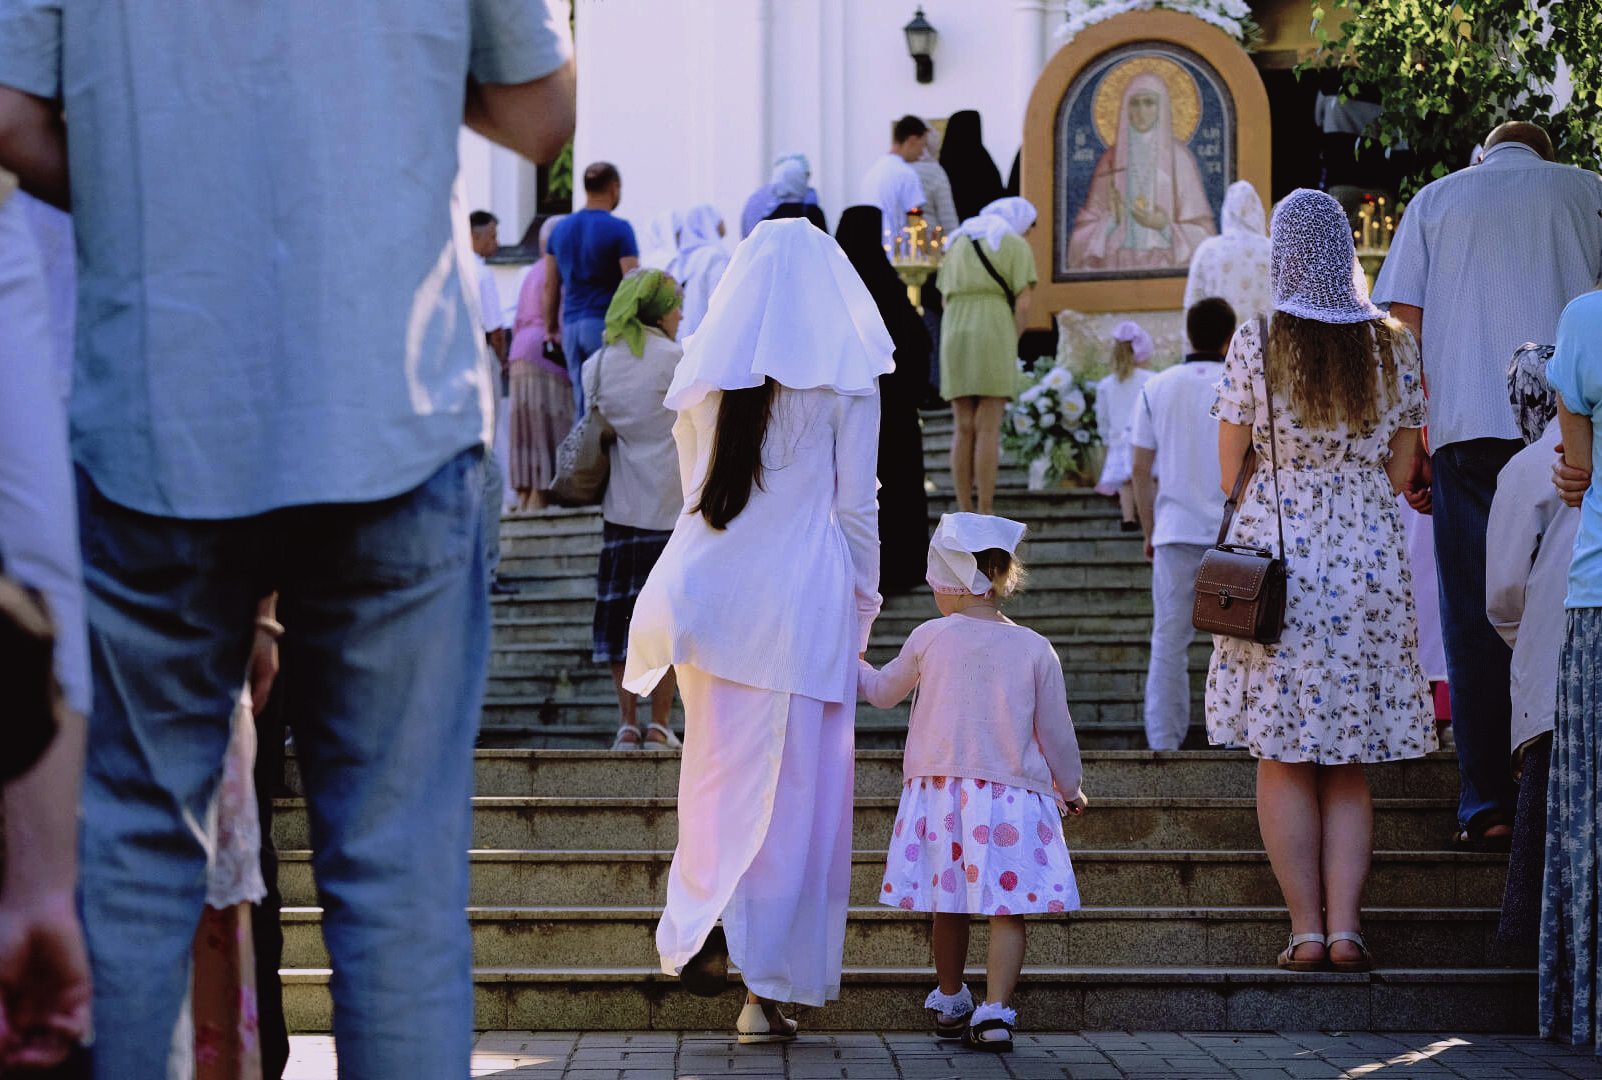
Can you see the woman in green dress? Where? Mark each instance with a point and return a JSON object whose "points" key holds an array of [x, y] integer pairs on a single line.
{"points": [[987, 280]]}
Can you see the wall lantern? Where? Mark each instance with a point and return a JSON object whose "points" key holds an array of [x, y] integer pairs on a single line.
{"points": [[921, 36]]}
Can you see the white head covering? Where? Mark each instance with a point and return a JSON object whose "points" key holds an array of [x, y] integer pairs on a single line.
{"points": [[790, 307], [952, 567], [700, 228], [1243, 210], [660, 242], [790, 177], [1313, 260], [1136, 335], [1010, 215]]}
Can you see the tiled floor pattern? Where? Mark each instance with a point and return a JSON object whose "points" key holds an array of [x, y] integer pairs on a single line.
{"points": [[1356, 1055]]}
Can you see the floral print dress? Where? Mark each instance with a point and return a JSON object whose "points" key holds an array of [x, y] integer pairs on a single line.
{"points": [[1343, 684]]}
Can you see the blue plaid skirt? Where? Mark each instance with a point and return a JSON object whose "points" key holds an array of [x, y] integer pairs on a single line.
{"points": [[627, 555]]}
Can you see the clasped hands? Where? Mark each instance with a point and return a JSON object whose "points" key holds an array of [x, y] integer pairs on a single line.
{"points": [[1153, 218]]}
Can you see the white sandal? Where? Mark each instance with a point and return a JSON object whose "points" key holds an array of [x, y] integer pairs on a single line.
{"points": [[669, 741], [622, 743], [753, 1026], [1287, 959]]}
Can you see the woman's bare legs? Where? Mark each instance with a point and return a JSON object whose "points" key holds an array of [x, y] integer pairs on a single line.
{"points": [[1288, 815], [662, 705], [1005, 962], [627, 704], [987, 449], [950, 950], [1347, 812], [962, 446]]}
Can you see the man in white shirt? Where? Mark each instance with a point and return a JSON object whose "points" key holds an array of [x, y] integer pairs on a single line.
{"points": [[497, 492], [1174, 437], [1484, 260], [892, 183]]}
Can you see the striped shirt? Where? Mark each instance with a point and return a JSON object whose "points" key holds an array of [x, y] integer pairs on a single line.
{"points": [[1492, 254]]}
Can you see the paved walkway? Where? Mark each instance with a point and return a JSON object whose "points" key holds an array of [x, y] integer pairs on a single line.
{"points": [[1356, 1055]]}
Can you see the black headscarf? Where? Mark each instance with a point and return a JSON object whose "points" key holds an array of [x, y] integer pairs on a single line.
{"points": [[860, 235], [975, 180], [811, 211]]}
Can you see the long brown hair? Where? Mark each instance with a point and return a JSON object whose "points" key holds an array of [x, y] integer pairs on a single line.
{"points": [[1327, 370], [737, 441], [1123, 359]]}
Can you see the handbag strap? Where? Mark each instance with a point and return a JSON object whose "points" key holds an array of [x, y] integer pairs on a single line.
{"points": [[1247, 464], [979, 250]]}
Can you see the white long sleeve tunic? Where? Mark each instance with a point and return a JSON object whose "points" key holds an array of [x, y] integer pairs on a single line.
{"points": [[782, 599]]}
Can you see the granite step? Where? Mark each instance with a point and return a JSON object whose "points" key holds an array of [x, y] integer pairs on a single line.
{"points": [[1108, 773], [879, 936], [634, 823], [1073, 999], [1115, 878]]}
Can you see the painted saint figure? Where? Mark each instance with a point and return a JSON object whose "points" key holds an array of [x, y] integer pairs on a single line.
{"points": [[1147, 208]]}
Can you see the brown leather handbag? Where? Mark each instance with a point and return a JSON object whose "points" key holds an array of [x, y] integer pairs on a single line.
{"points": [[1240, 589]]}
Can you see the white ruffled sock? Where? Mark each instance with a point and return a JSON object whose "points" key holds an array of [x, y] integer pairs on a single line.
{"points": [[951, 1006], [993, 1010]]}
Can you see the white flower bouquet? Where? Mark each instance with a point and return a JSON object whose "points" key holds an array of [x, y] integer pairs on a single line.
{"points": [[1054, 420]]}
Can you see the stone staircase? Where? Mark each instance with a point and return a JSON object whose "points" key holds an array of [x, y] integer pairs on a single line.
{"points": [[1181, 922], [572, 843], [1089, 591]]}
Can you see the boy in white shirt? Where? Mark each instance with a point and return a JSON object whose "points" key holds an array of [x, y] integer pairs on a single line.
{"points": [[1174, 437], [891, 183]]}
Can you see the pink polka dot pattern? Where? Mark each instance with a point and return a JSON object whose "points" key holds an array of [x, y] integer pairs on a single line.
{"points": [[966, 855]]}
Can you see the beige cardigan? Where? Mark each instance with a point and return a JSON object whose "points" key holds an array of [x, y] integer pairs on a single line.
{"points": [[643, 491]]}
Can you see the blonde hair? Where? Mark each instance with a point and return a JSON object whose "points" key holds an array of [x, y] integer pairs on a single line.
{"points": [[1004, 569], [1123, 359]]}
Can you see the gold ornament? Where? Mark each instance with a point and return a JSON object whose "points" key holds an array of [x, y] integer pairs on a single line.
{"points": [[1183, 97]]}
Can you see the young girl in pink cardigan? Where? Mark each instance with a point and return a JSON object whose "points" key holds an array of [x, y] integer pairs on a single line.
{"points": [[991, 761]]}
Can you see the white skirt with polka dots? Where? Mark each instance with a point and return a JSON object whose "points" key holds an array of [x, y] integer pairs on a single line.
{"points": [[974, 847]]}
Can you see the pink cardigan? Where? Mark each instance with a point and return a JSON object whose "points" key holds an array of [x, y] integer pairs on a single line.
{"points": [[991, 705]]}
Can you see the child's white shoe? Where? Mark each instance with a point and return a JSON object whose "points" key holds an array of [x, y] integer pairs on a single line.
{"points": [[753, 1026], [951, 1011], [991, 1029]]}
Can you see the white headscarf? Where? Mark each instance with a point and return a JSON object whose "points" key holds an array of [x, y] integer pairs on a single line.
{"points": [[1010, 215], [1314, 260], [661, 240], [700, 228], [952, 567], [790, 307], [1136, 335], [789, 179], [1243, 211], [700, 263]]}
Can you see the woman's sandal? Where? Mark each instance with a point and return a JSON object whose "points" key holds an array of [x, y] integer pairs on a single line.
{"points": [[707, 973], [1474, 837], [975, 1037], [951, 1011], [668, 741], [1287, 959], [628, 738], [755, 1027], [1364, 962]]}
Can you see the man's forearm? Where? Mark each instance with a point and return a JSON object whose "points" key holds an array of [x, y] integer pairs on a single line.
{"points": [[1145, 500], [33, 145], [41, 819], [1412, 318], [534, 119], [553, 298]]}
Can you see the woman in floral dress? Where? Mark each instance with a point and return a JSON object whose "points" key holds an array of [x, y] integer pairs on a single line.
{"points": [[1343, 685]]}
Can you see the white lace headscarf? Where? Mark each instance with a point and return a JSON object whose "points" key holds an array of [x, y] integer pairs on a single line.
{"points": [[1010, 215], [1313, 260]]}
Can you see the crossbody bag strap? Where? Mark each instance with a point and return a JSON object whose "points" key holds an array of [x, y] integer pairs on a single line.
{"points": [[979, 250], [1273, 435]]}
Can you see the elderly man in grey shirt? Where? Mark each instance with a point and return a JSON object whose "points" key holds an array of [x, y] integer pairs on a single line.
{"points": [[1484, 260], [295, 403]]}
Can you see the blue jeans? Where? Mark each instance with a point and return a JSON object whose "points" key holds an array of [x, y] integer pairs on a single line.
{"points": [[1477, 659], [388, 637], [581, 339]]}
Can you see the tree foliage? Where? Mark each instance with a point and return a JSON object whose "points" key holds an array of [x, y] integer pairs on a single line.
{"points": [[1445, 74]]}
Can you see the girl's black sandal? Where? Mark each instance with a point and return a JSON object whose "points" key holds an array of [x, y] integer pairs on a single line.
{"points": [[972, 1037]]}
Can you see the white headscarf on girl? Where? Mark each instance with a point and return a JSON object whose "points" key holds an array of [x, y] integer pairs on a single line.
{"points": [[1136, 335], [1315, 270], [1010, 215], [953, 570], [700, 263], [790, 307]]}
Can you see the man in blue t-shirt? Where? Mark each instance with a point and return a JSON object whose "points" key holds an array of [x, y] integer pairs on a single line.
{"points": [[588, 254]]}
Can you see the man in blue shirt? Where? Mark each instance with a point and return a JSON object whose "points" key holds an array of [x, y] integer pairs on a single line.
{"points": [[588, 254], [301, 410]]}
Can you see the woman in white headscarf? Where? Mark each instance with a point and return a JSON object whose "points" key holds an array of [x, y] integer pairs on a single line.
{"points": [[761, 602], [659, 246], [1147, 208], [987, 283], [1234, 264], [700, 263], [789, 184], [1342, 686]]}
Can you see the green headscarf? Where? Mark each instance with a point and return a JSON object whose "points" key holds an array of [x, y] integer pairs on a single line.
{"points": [[640, 301]]}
